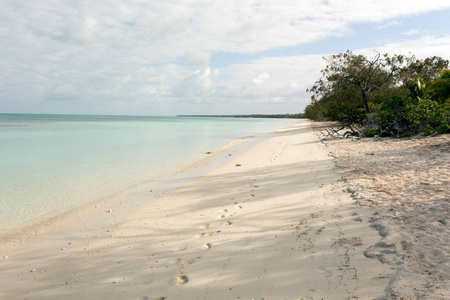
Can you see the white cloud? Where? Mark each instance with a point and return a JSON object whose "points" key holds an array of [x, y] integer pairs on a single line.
{"points": [[78, 56], [413, 32], [280, 81], [260, 79], [197, 84], [375, 11], [389, 24], [422, 47]]}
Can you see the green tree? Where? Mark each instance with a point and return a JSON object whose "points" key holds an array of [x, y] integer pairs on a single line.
{"points": [[347, 70], [439, 89], [416, 89], [393, 117], [388, 95], [428, 69]]}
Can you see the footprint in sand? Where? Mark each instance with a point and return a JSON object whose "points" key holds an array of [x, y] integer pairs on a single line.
{"points": [[212, 233], [307, 245], [206, 246], [354, 241], [227, 223], [181, 279], [190, 261], [205, 226], [321, 229]]}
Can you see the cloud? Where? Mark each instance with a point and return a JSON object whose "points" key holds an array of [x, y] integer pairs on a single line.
{"points": [[84, 32], [413, 32], [389, 24], [277, 80], [81, 56], [197, 84], [261, 78], [422, 47]]}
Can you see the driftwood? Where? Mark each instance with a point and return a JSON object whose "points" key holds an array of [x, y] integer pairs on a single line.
{"points": [[334, 131]]}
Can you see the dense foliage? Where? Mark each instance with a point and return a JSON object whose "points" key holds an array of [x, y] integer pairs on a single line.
{"points": [[386, 95]]}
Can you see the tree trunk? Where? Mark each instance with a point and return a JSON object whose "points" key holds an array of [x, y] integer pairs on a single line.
{"points": [[365, 103]]}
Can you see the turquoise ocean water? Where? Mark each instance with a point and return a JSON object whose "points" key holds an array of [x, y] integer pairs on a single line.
{"points": [[52, 163]]}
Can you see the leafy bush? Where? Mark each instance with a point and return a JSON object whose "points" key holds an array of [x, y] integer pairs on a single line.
{"points": [[371, 132], [346, 114], [439, 89], [392, 118], [442, 118], [419, 114], [428, 116], [403, 117]]}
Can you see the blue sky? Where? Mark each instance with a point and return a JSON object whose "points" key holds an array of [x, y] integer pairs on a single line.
{"points": [[360, 35], [206, 57]]}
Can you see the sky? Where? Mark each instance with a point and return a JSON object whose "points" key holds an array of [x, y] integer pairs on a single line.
{"points": [[172, 57]]}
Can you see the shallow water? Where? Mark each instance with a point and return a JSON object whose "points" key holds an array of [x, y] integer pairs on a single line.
{"points": [[52, 163]]}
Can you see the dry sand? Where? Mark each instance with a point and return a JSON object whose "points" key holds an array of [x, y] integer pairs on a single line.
{"points": [[275, 222], [407, 181]]}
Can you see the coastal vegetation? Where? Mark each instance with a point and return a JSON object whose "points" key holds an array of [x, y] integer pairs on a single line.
{"points": [[383, 95]]}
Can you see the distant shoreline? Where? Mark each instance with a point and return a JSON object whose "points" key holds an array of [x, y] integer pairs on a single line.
{"points": [[40, 115], [275, 116]]}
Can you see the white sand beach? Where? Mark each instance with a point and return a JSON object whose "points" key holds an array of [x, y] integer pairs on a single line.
{"points": [[274, 222], [407, 182]]}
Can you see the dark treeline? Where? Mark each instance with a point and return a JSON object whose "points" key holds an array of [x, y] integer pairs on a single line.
{"points": [[384, 95], [275, 116]]}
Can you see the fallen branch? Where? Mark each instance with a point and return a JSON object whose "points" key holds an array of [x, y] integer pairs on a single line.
{"points": [[334, 132]]}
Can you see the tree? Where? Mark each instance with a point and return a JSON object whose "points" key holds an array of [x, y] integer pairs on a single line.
{"points": [[428, 69], [439, 89], [388, 95], [366, 75], [417, 89]]}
